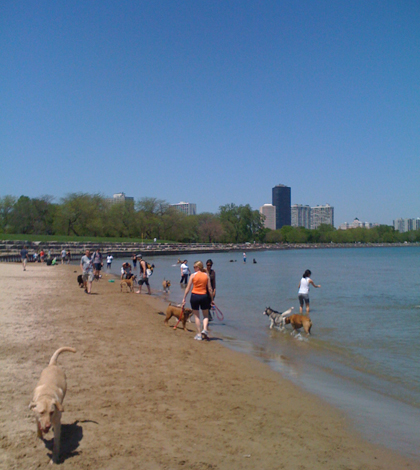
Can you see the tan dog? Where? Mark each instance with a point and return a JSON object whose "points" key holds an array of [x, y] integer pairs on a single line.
{"points": [[47, 401], [174, 311], [299, 321], [166, 285], [128, 284]]}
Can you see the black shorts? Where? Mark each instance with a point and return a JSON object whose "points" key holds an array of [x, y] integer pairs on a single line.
{"points": [[97, 266], [144, 281], [198, 300]]}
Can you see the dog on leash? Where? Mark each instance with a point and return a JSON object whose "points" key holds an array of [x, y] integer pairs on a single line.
{"points": [[175, 311], [128, 284], [166, 285], [277, 318], [80, 280], [47, 401]]}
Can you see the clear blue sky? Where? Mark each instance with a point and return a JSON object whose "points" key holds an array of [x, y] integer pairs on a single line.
{"points": [[214, 102]]}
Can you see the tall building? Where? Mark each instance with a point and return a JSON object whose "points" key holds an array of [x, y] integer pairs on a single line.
{"points": [[120, 197], [281, 200], [301, 216], [322, 215], [269, 211], [405, 225], [186, 207]]}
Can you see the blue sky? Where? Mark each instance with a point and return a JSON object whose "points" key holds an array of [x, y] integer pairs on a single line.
{"points": [[214, 102]]}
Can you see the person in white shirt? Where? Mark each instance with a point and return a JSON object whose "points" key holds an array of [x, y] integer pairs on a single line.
{"points": [[109, 259], [303, 293], [185, 272]]}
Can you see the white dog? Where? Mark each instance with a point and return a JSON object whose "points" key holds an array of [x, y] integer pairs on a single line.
{"points": [[276, 318], [47, 401]]}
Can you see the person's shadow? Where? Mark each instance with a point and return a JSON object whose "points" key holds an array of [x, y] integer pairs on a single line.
{"points": [[71, 435]]}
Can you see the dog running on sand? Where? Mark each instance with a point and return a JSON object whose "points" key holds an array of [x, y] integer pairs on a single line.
{"points": [[47, 401]]}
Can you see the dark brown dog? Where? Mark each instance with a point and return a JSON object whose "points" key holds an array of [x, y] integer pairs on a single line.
{"points": [[166, 285], [174, 311], [299, 321]]}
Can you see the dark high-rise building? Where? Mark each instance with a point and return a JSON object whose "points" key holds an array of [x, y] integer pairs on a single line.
{"points": [[282, 201]]}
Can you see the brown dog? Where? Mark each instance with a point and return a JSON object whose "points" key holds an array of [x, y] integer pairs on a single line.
{"points": [[128, 284], [174, 311], [299, 321], [47, 401], [166, 285]]}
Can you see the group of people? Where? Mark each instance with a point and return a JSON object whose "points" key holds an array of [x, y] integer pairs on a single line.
{"points": [[145, 271], [41, 257]]}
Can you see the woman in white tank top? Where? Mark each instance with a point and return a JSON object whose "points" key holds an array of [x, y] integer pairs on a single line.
{"points": [[303, 293]]}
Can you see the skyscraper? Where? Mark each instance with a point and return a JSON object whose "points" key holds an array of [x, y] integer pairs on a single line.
{"points": [[301, 216], [269, 211], [281, 199], [322, 215]]}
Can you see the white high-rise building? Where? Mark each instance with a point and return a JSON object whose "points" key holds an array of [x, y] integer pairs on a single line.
{"points": [[301, 216], [269, 211], [322, 215], [186, 207], [405, 225]]}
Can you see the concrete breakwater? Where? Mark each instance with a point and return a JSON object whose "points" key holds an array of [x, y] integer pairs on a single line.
{"points": [[10, 249]]}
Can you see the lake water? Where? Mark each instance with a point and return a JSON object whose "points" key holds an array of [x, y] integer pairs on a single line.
{"points": [[363, 355]]}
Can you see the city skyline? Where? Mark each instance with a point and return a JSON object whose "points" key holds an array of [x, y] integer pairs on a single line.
{"points": [[234, 96]]}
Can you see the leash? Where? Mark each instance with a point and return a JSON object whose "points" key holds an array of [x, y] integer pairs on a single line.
{"points": [[180, 317], [218, 312]]}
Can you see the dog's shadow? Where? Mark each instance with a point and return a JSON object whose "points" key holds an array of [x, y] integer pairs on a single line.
{"points": [[71, 435]]}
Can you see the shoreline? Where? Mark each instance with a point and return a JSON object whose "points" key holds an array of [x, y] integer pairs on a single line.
{"points": [[10, 249], [141, 392]]}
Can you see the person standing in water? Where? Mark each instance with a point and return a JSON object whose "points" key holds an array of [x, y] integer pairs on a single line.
{"points": [[303, 293]]}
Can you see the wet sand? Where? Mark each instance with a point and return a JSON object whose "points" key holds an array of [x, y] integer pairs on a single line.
{"points": [[141, 395]]}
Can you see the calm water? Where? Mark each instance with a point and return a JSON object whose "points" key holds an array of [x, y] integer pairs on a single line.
{"points": [[363, 354]]}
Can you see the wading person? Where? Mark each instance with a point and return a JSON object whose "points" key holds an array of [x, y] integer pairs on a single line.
{"points": [[303, 294]]}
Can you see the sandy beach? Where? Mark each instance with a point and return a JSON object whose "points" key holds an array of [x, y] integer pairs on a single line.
{"points": [[141, 395]]}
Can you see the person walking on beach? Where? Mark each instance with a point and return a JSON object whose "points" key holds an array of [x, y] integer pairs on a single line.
{"points": [[200, 283], [24, 257], [68, 256], [303, 293], [109, 259], [212, 275], [143, 278], [244, 256], [97, 263], [87, 271], [185, 272], [63, 255]]}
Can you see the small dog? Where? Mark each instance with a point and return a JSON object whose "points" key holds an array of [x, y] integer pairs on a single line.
{"points": [[80, 280], [47, 401], [166, 285], [128, 284], [277, 318], [174, 311], [299, 321]]}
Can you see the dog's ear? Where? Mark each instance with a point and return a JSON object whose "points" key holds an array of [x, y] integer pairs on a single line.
{"points": [[32, 405]]}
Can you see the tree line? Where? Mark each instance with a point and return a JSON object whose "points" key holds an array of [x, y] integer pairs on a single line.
{"points": [[86, 215]]}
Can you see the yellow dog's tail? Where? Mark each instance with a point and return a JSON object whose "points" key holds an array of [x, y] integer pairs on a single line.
{"points": [[53, 360]]}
